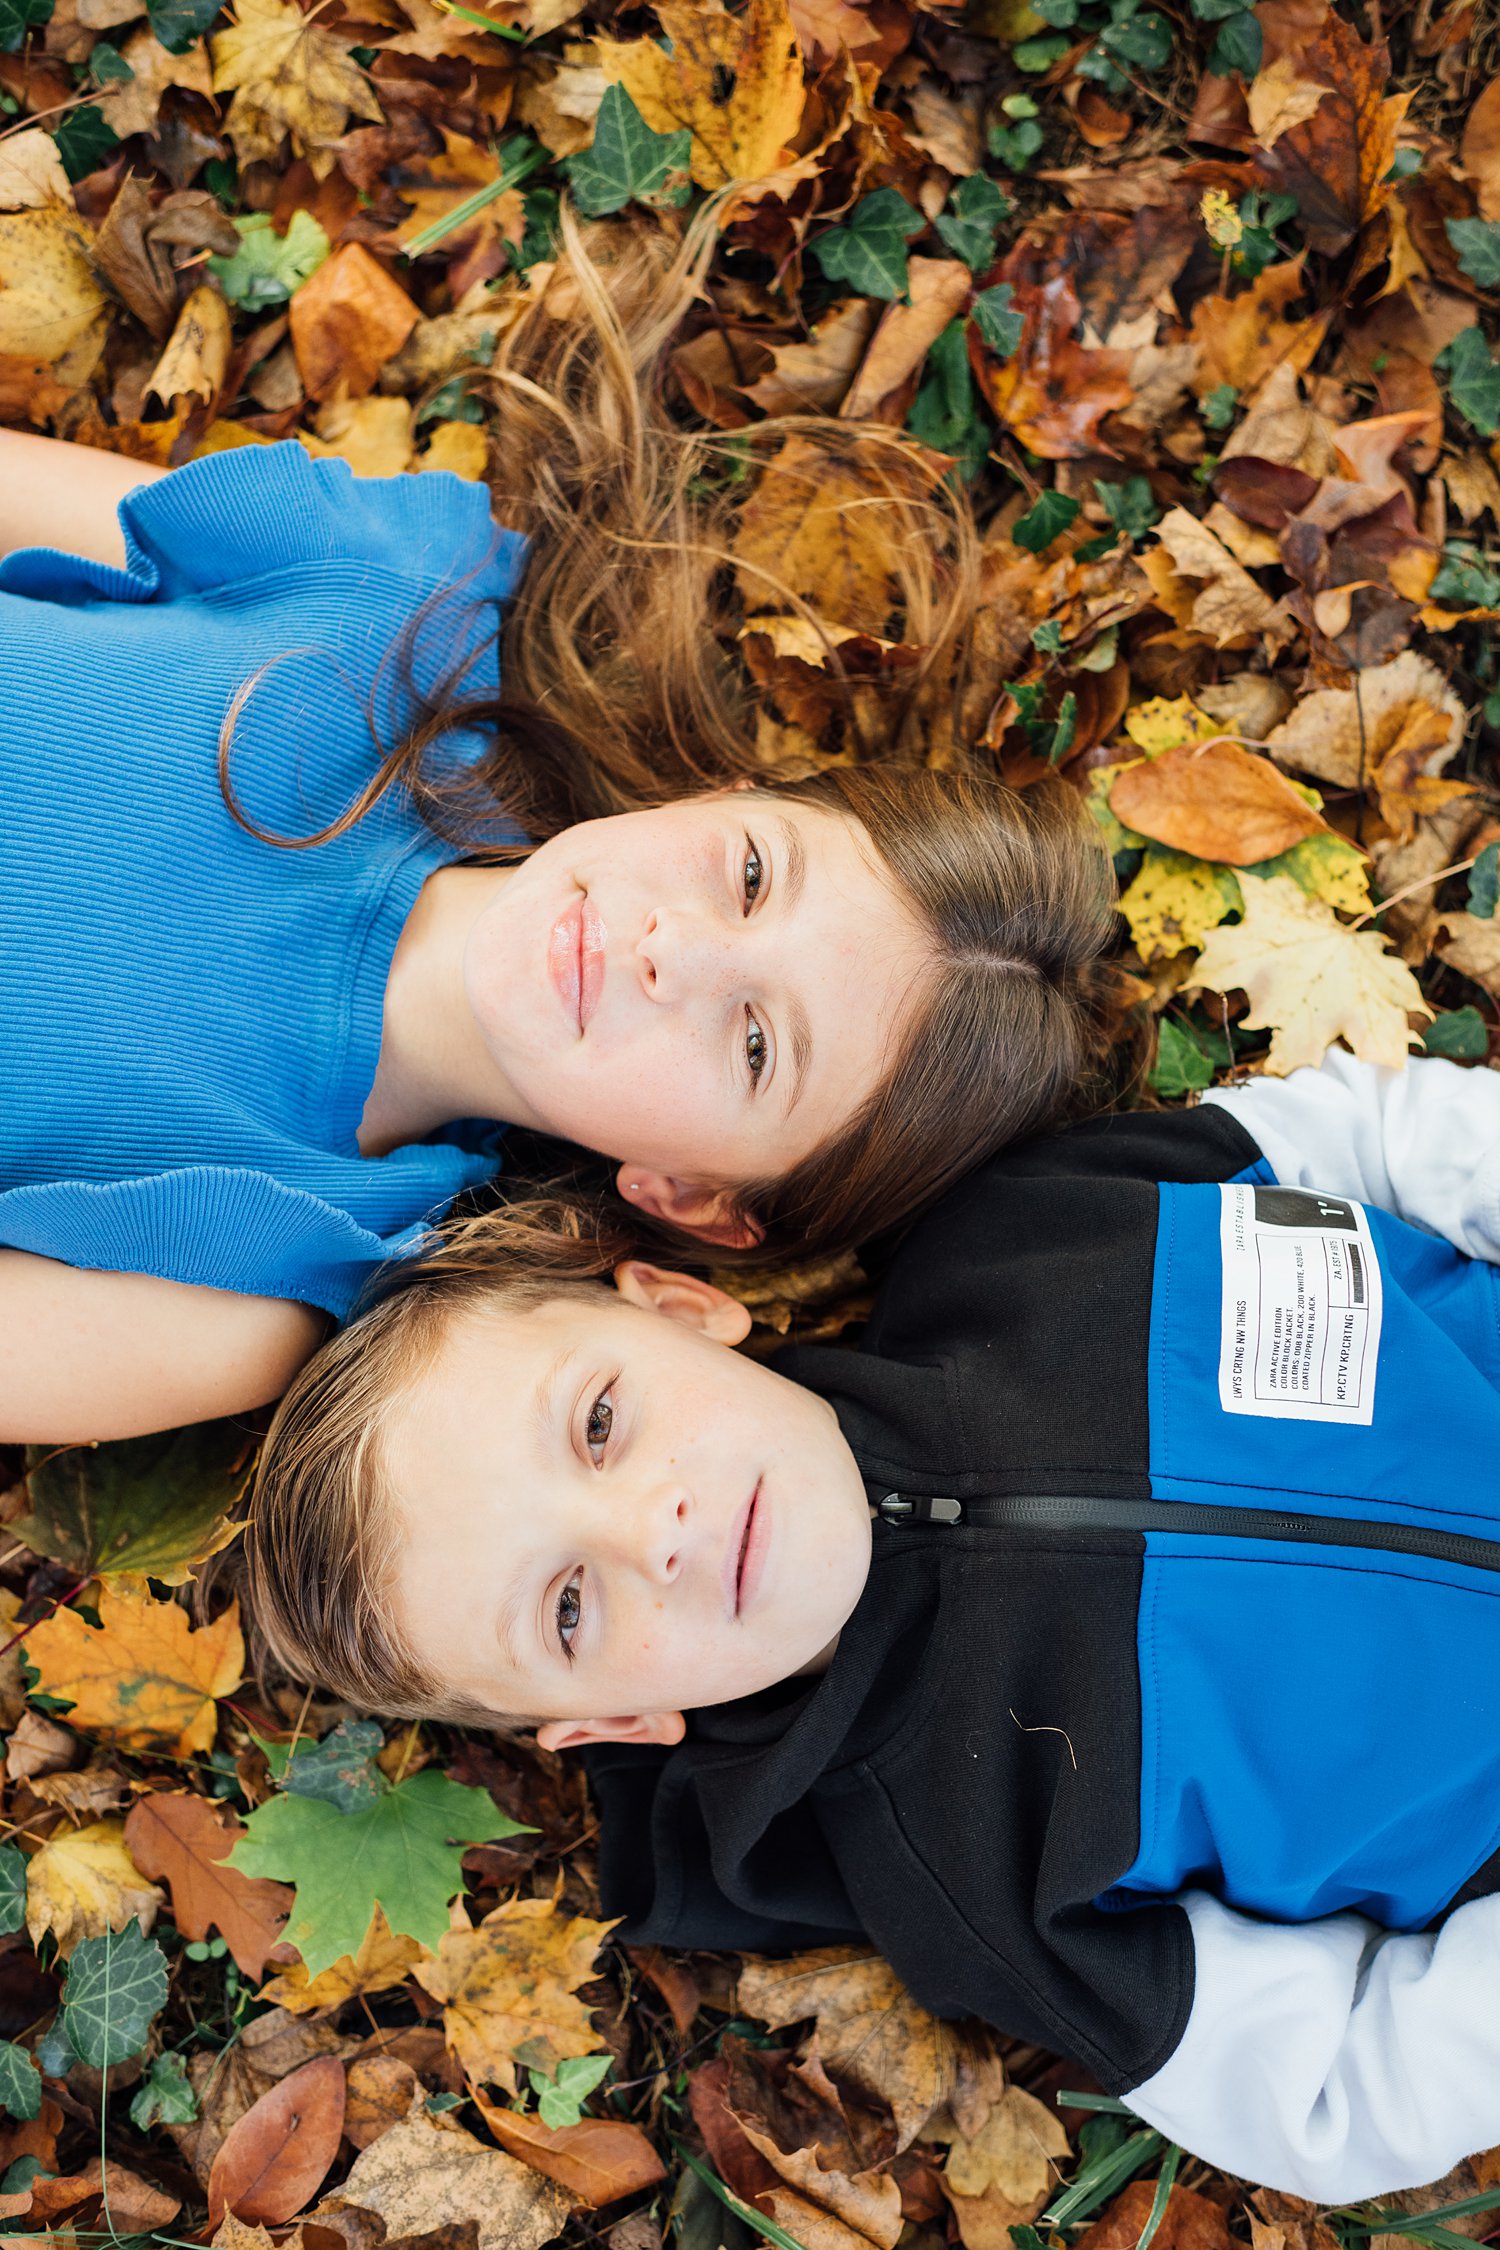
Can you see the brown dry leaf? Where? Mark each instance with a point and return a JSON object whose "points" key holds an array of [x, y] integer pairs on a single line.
{"points": [[869, 2027], [183, 1841], [1282, 426], [196, 357], [83, 1882], [1243, 339], [562, 105], [1311, 979], [133, 105], [515, 1978], [12, 1678], [1224, 601], [268, 2049], [825, 529], [1189, 2222], [450, 179], [372, 434], [741, 134], [938, 289], [233, 2234], [32, 174], [1053, 392], [869, 2202], [813, 2228], [1217, 802], [1341, 735], [289, 75], [38, 1746], [1279, 99], [599, 2161], [1336, 161], [422, 2175], [1473, 487], [1472, 946], [135, 2207], [348, 320], [50, 302], [824, 27], [813, 378], [379, 2092], [83, 1796], [276, 2157], [144, 1677], [1013, 2157], [1479, 150], [382, 1962]]}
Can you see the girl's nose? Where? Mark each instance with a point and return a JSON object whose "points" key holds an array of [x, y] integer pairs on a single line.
{"points": [[682, 955]]}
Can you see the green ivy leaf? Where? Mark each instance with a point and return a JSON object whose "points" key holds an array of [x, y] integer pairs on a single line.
{"points": [[539, 236], [1465, 579], [1143, 41], [268, 267], [1050, 513], [17, 18], [1041, 53], [12, 1889], [404, 1853], [870, 252], [84, 140], [563, 2097], [968, 229], [178, 23], [107, 66], [1484, 883], [1473, 380], [20, 2082], [1064, 728], [1238, 47], [1218, 406], [1130, 506], [116, 1985], [1016, 145], [165, 2098], [998, 323], [1477, 242], [1181, 1066], [340, 1770], [944, 414], [1048, 637], [1460, 1034], [156, 1505], [627, 162]]}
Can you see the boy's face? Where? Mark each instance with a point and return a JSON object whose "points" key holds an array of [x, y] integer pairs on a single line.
{"points": [[607, 1517]]}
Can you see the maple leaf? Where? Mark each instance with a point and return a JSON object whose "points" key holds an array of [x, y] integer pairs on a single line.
{"points": [[381, 1963], [1242, 340], [828, 528], [184, 1841], [740, 134], [288, 75], [1311, 979], [132, 104], [153, 1506], [869, 2026], [512, 1981], [1337, 160], [84, 1881], [404, 1853], [144, 1677]]}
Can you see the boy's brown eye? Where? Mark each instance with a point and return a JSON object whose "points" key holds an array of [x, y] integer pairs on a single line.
{"points": [[600, 1422], [569, 1614]]}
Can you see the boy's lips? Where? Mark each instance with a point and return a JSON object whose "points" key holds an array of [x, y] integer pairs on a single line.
{"points": [[745, 1554], [575, 958]]}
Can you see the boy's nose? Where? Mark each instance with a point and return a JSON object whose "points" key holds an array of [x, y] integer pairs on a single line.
{"points": [[653, 1537]]}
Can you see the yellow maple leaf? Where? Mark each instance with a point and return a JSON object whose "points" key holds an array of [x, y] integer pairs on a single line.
{"points": [[1166, 722], [50, 302], [288, 75], [143, 1676], [1175, 900], [513, 1980], [1311, 979], [382, 1962], [84, 1882], [739, 136]]}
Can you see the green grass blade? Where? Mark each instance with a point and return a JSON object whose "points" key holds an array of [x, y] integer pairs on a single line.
{"points": [[511, 174], [731, 2202]]}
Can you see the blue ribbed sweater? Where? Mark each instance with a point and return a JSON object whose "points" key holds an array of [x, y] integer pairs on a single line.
{"points": [[190, 1018]]}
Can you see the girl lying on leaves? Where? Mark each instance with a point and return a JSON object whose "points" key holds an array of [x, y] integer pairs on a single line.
{"points": [[1111, 1636], [269, 993]]}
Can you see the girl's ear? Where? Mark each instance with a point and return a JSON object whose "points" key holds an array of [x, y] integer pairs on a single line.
{"points": [[709, 1213], [665, 1727], [681, 1296]]}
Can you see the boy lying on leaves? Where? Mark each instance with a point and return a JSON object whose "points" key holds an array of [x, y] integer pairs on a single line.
{"points": [[1111, 1635]]}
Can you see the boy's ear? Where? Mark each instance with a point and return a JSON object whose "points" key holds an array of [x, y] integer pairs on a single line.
{"points": [[665, 1727], [682, 1296], [707, 1212]]}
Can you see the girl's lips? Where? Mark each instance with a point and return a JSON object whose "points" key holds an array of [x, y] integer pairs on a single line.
{"points": [[575, 958], [745, 1556]]}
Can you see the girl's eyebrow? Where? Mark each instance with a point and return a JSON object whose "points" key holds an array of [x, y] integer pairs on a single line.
{"points": [[794, 871]]}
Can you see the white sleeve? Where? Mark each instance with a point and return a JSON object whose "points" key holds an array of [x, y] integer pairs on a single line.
{"points": [[1423, 1142], [1335, 2060]]}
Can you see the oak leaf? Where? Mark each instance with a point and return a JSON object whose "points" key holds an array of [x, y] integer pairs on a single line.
{"points": [[514, 1979], [738, 134], [382, 1962], [1311, 979], [1216, 801], [183, 1841], [599, 2161], [275, 2157], [288, 75], [421, 2176], [144, 1677], [83, 1882]]}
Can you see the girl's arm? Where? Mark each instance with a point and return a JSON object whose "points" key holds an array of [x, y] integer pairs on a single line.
{"points": [[1333, 2059], [56, 495], [108, 1355], [1423, 1142]]}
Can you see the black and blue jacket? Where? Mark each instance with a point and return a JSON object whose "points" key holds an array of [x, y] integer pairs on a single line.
{"points": [[1175, 1685]]}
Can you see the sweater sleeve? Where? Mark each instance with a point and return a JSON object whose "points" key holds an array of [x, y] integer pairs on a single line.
{"points": [[1423, 1142], [1332, 2059]]}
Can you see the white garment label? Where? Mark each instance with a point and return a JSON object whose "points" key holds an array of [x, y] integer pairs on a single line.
{"points": [[1300, 1329]]}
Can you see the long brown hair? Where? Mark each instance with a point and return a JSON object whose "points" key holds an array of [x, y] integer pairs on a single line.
{"points": [[620, 689]]}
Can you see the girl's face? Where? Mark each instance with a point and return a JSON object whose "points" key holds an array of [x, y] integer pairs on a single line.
{"points": [[707, 991], [605, 1517]]}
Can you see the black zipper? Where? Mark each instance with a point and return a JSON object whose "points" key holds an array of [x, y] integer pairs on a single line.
{"points": [[1049, 1512]]}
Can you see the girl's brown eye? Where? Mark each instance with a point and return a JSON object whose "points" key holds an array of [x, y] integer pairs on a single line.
{"points": [[753, 875], [757, 1052], [600, 1422]]}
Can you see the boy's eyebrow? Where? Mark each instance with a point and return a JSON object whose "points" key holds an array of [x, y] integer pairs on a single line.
{"points": [[505, 1623], [544, 1404]]}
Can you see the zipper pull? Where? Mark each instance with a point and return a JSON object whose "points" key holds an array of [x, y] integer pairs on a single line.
{"points": [[919, 1507]]}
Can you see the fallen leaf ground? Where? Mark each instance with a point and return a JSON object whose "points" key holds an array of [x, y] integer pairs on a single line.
{"points": [[1200, 301]]}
